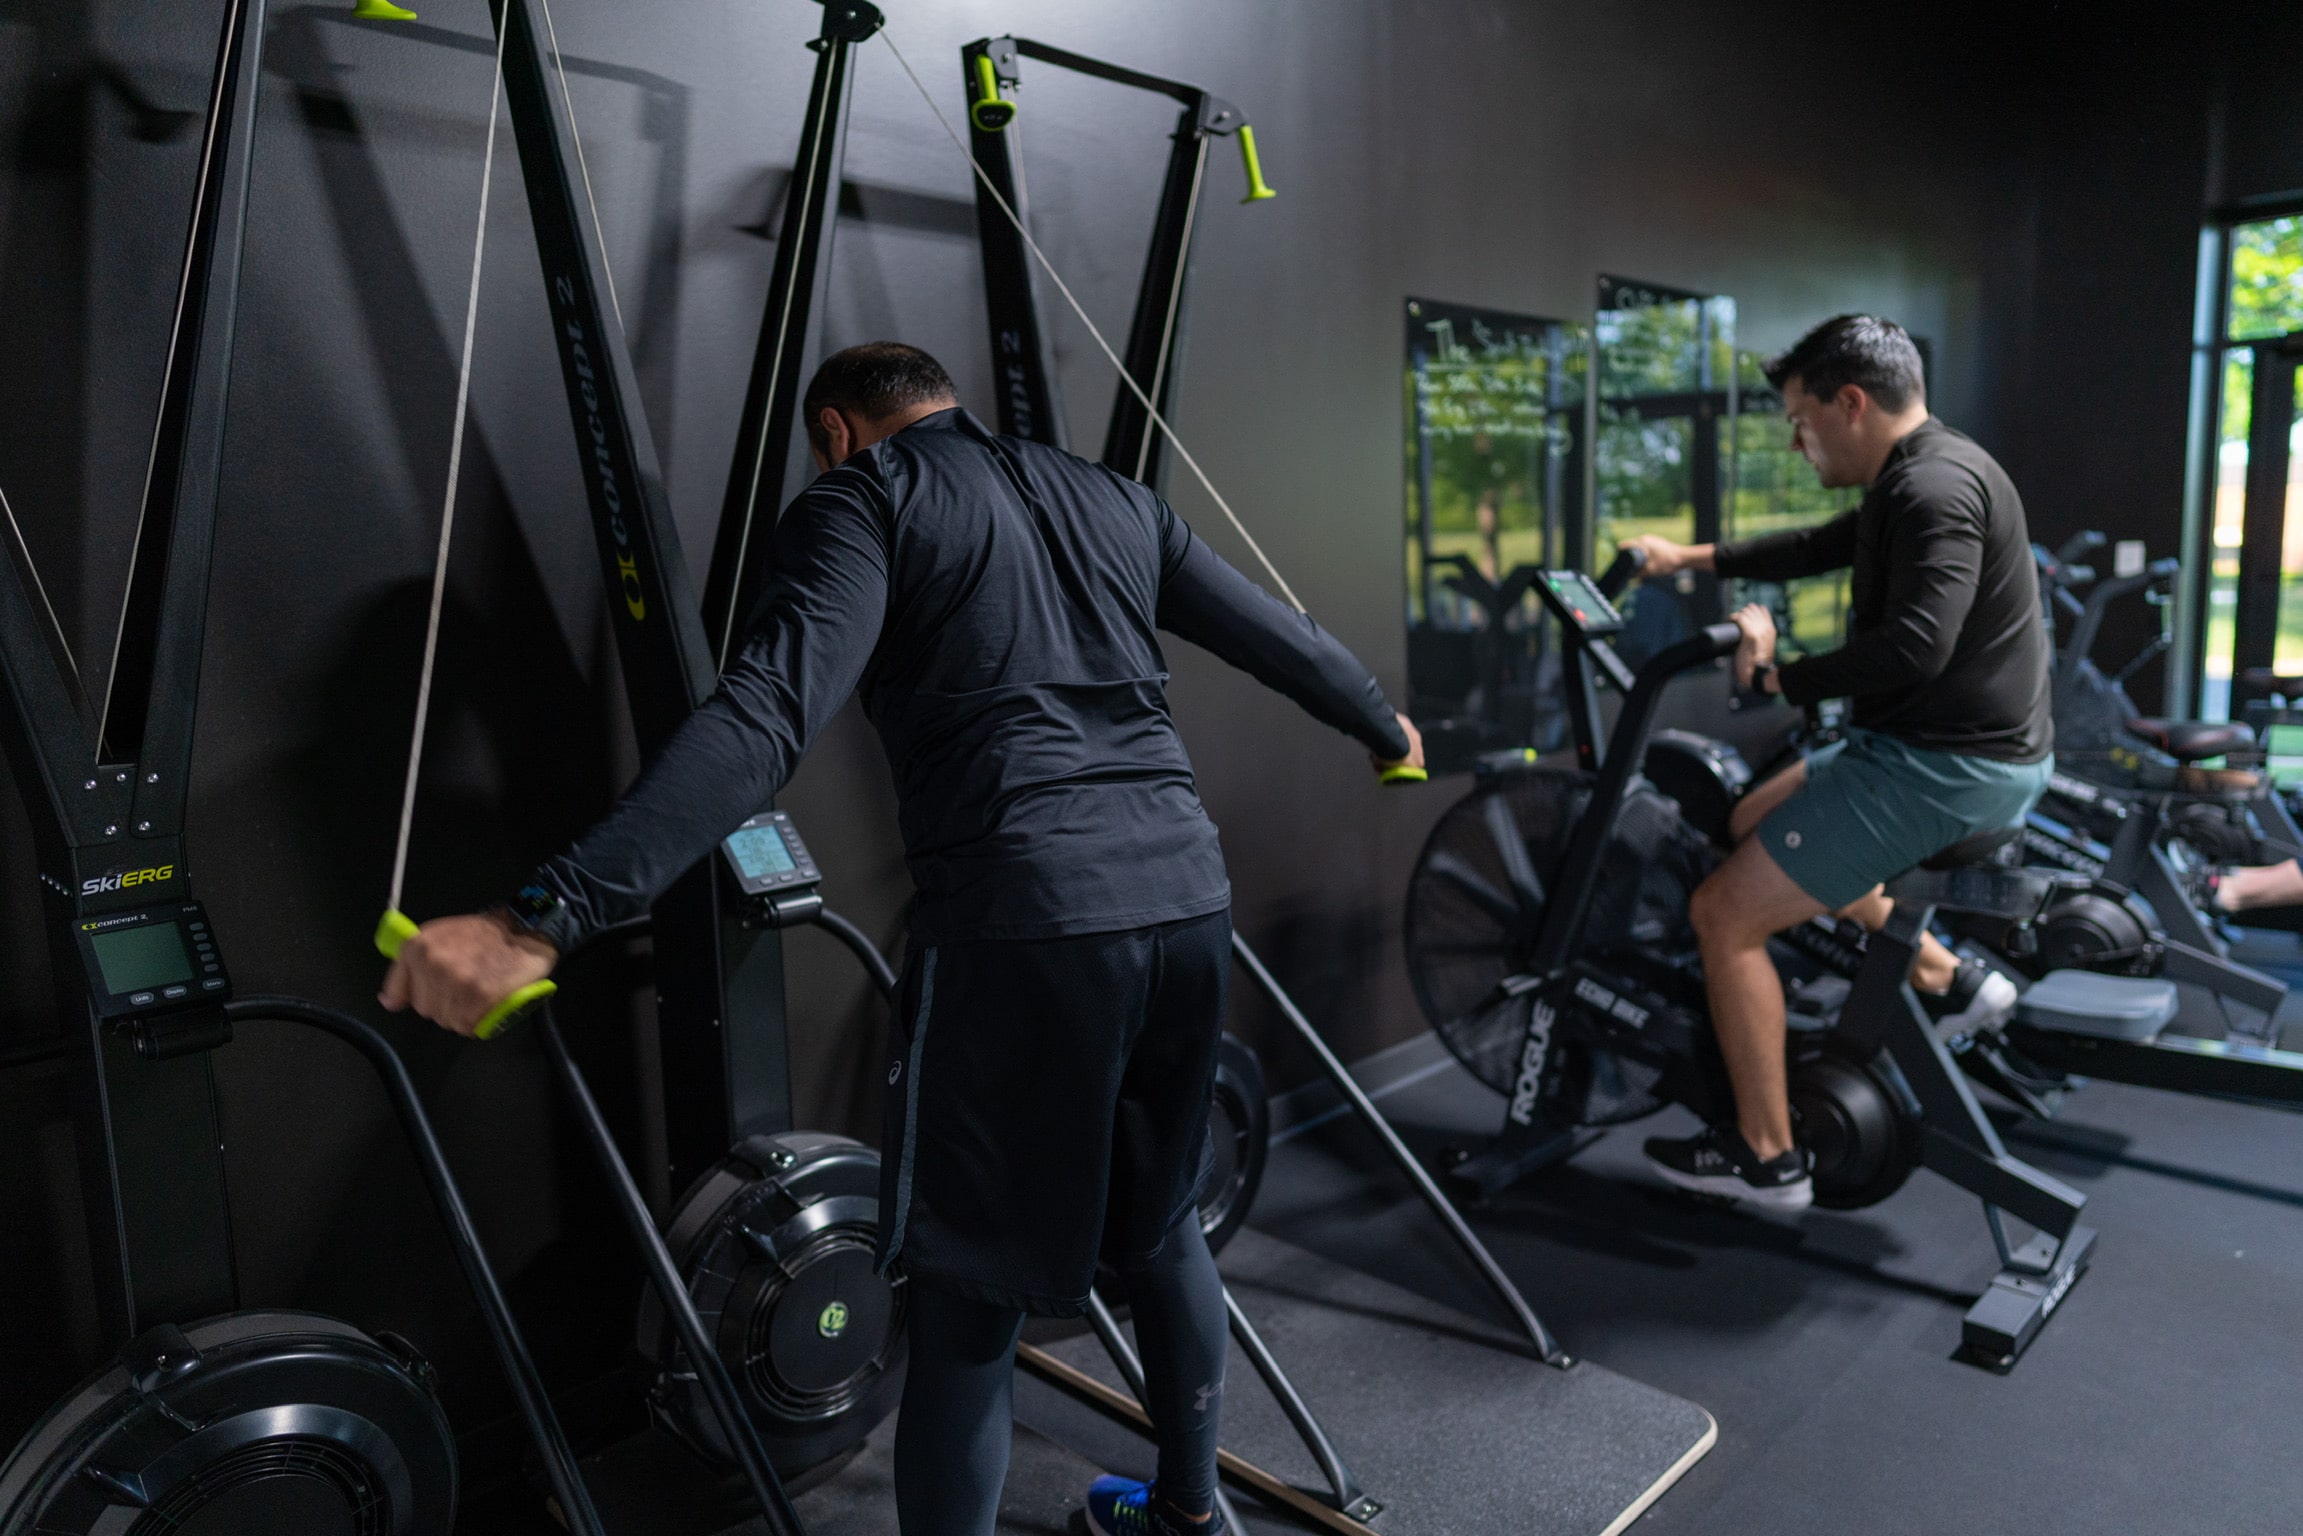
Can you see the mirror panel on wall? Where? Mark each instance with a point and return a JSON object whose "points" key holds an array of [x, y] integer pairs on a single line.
{"points": [[1494, 459], [1667, 383]]}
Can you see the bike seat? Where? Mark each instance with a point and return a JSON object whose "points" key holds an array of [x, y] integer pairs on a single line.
{"points": [[2129, 1008], [1969, 852], [1969, 876], [2269, 680], [2191, 741]]}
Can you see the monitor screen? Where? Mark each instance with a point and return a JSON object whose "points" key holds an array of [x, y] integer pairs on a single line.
{"points": [[760, 853], [1576, 595], [139, 959]]}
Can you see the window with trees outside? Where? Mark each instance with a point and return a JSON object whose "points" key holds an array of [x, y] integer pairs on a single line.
{"points": [[1666, 411], [1688, 441], [1775, 488], [2253, 610]]}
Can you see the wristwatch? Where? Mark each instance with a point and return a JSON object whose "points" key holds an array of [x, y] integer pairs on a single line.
{"points": [[536, 908], [1760, 674]]}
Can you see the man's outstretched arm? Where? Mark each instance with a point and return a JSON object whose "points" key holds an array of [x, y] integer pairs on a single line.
{"points": [[1783, 556], [1208, 603], [815, 628]]}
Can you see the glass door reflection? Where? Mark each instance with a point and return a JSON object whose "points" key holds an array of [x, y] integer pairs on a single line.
{"points": [[1494, 412]]}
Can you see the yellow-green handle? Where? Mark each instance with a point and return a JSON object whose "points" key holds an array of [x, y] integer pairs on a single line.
{"points": [[393, 929], [396, 928], [1257, 188], [513, 1009], [1404, 773], [382, 10], [990, 111]]}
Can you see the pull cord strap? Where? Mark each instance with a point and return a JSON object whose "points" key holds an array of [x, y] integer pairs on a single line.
{"points": [[583, 166], [40, 589], [1127, 379], [448, 507]]}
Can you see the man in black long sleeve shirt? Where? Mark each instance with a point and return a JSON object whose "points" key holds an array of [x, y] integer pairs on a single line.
{"points": [[1946, 664], [996, 602]]}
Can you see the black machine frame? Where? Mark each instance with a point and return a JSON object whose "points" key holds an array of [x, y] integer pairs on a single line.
{"points": [[107, 799], [106, 796], [720, 1005], [1030, 398], [1030, 407], [1882, 1014]]}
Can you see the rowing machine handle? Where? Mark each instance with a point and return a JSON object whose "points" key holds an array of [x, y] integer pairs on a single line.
{"points": [[1626, 568], [395, 928]]}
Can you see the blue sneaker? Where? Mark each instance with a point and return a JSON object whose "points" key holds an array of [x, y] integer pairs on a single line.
{"points": [[1121, 1506]]}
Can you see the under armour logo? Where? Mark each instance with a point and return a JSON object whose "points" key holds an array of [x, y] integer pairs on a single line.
{"points": [[1205, 1395]]}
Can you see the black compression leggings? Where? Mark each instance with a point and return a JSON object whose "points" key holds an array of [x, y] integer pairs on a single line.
{"points": [[959, 1395]]}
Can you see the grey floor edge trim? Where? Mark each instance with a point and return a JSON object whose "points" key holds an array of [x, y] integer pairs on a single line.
{"points": [[1378, 1073], [1673, 1474]]}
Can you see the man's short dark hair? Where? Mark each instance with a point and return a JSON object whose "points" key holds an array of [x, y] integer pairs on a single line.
{"points": [[873, 381], [1873, 354]]}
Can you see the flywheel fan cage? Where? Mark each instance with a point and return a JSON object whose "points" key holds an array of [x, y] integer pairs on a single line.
{"points": [[1474, 905], [1613, 1088], [791, 1403], [368, 1511]]}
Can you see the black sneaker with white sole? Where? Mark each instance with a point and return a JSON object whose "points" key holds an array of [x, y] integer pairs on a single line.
{"points": [[1720, 1162]]}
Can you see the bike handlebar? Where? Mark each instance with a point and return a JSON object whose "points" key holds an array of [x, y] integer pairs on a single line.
{"points": [[1622, 571]]}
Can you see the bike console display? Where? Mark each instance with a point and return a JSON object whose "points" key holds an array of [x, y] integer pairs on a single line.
{"points": [[1575, 599], [773, 869], [151, 960]]}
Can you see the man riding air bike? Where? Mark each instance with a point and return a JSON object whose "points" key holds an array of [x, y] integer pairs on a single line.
{"points": [[1946, 667]]}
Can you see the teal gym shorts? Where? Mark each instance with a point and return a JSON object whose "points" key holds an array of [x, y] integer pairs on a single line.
{"points": [[1873, 807]]}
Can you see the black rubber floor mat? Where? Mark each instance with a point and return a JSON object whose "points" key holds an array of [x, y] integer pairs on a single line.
{"points": [[1445, 1422]]}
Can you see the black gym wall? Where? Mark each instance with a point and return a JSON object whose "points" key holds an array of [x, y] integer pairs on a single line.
{"points": [[1495, 154], [2149, 119]]}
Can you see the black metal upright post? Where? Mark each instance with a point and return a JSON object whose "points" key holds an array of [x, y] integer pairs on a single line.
{"points": [[106, 800], [795, 290], [2263, 519], [1706, 485], [1154, 353], [1029, 402], [719, 989]]}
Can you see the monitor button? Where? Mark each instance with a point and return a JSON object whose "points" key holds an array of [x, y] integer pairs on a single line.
{"points": [[173, 993], [212, 984], [141, 999], [212, 968]]}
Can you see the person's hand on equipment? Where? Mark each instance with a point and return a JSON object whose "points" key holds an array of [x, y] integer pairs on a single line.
{"points": [[1414, 758], [454, 969], [1756, 655], [1664, 558]]}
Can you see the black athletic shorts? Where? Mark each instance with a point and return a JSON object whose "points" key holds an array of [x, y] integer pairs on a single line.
{"points": [[1047, 1101]]}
